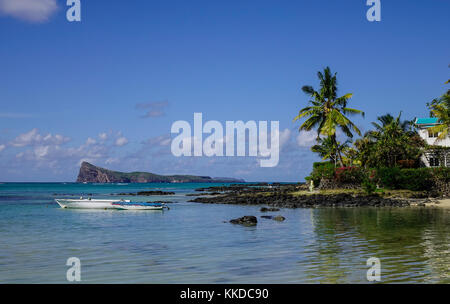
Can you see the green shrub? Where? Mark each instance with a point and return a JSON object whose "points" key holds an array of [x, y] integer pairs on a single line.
{"points": [[368, 186], [441, 173], [321, 170], [419, 179], [407, 163], [389, 177], [354, 175], [416, 179]]}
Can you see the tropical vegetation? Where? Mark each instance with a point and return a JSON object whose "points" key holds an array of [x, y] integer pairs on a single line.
{"points": [[386, 156], [440, 108], [392, 143], [328, 113]]}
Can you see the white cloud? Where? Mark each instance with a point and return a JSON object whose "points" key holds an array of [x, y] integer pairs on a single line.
{"points": [[26, 138], [165, 142], [285, 135], [2, 147], [112, 160], [47, 151], [121, 141], [33, 138], [41, 151], [47, 154], [306, 139], [29, 10], [103, 136], [90, 141], [162, 140]]}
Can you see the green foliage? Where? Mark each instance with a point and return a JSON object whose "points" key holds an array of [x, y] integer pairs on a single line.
{"points": [[416, 179], [368, 186], [321, 170], [407, 163], [327, 112], [389, 177], [440, 108], [353, 175], [419, 179], [392, 143], [441, 173], [393, 178]]}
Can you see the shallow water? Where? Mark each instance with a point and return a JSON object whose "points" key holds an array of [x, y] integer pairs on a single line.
{"points": [[190, 243]]}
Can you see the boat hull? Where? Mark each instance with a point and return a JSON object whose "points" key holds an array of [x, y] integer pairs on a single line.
{"points": [[87, 204], [138, 206]]}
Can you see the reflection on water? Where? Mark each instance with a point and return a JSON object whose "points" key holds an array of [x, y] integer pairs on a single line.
{"points": [[190, 243], [412, 243]]}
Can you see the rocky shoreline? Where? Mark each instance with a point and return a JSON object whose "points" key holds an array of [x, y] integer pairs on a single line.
{"points": [[290, 196]]}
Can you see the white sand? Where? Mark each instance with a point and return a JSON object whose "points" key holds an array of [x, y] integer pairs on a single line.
{"points": [[444, 203]]}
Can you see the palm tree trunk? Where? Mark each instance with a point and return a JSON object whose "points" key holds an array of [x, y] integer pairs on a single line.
{"points": [[333, 138]]}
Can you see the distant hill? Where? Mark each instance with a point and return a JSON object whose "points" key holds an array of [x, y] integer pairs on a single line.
{"points": [[93, 174]]}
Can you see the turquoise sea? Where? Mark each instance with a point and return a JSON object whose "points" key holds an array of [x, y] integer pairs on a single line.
{"points": [[193, 243]]}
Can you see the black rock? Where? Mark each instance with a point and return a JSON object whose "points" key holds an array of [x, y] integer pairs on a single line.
{"points": [[248, 220], [269, 217], [264, 209], [279, 218]]}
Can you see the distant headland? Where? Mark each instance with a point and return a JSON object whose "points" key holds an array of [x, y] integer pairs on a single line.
{"points": [[93, 174]]}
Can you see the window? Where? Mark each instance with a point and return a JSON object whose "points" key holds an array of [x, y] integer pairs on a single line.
{"points": [[432, 134], [434, 162]]}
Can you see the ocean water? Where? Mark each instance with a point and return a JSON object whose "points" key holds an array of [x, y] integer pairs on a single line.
{"points": [[193, 243]]}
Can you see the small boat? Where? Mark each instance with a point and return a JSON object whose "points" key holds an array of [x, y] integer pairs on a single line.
{"points": [[83, 203], [139, 206]]}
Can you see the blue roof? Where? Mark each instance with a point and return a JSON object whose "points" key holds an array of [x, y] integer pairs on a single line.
{"points": [[426, 121]]}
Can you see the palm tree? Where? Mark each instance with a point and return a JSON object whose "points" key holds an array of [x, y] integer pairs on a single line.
{"points": [[327, 112], [390, 126], [327, 149], [391, 141], [440, 108], [388, 119]]}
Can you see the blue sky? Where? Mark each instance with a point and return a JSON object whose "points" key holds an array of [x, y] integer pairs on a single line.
{"points": [[107, 89]]}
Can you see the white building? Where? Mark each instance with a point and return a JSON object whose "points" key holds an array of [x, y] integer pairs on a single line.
{"points": [[437, 155]]}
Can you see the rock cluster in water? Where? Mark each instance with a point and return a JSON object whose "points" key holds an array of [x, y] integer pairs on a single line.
{"points": [[283, 196]]}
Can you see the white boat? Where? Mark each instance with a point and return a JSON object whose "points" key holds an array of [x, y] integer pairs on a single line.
{"points": [[83, 203]]}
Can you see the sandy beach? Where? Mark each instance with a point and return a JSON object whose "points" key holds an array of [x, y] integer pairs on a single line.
{"points": [[444, 203]]}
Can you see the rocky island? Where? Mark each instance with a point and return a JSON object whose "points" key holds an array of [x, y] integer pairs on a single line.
{"points": [[93, 174]]}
